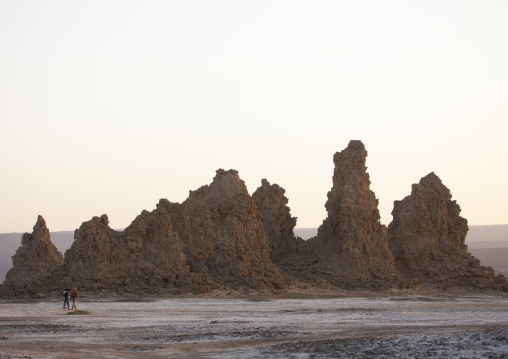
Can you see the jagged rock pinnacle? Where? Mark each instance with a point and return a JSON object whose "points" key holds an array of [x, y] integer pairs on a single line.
{"points": [[352, 241], [33, 260], [427, 238]]}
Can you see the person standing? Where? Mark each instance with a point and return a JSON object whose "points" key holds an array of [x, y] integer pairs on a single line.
{"points": [[74, 296], [65, 294]]}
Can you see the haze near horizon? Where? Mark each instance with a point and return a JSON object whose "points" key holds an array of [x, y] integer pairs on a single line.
{"points": [[108, 107]]}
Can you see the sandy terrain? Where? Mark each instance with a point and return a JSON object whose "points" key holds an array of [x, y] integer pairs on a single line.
{"points": [[389, 325]]}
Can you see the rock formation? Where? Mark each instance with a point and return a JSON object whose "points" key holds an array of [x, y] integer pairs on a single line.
{"points": [[33, 260], [146, 257], [156, 249], [284, 246], [352, 244], [213, 240], [427, 238], [221, 237], [224, 238]]}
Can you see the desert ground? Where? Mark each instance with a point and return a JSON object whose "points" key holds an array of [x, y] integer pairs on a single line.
{"points": [[396, 324]]}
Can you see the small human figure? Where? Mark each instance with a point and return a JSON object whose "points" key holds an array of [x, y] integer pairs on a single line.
{"points": [[65, 294], [74, 296]]}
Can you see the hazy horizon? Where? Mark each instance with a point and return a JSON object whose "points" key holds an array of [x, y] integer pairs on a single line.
{"points": [[488, 230], [109, 106]]}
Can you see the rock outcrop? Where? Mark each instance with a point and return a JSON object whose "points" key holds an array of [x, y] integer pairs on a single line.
{"points": [[427, 238], [33, 261], [213, 240], [157, 251], [285, 248], [352, 244], [145, 258], [222, 238]]}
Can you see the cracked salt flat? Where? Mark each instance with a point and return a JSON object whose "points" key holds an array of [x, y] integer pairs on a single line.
{"points": [[425, 326]]}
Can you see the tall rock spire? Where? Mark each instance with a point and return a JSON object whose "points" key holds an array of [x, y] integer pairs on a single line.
{"points": [[34, 259], [277, 220], [286, 250], [352, 241]]}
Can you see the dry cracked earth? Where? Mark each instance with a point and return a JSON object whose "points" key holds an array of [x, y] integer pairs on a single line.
{"points": [[389, 325]]}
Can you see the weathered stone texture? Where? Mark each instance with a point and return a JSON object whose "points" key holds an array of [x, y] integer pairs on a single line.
{"points": [[146, 257], [284, 246], [427, 238], [213, 240], [224, 237], [33, 260], [156, 249], [352, 243]]}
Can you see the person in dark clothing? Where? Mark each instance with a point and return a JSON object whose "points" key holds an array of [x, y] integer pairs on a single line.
{"points": [[65, 294]]}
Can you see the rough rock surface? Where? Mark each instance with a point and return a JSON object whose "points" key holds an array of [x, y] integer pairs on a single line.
{"points": [[213, 240], [146, 257], [221, 237], [156, 249], [285, 248], [427, 238], [224, 238], [352, 244], [33, 260]]}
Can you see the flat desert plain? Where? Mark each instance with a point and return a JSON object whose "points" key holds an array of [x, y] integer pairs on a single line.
{"points": [[403, 324]]}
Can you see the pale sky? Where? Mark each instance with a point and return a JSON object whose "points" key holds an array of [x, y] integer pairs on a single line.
{"points": [[108, 106]]}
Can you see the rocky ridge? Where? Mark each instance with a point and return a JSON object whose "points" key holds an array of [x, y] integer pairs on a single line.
{"points": [[213, 240], [223, 238]]}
